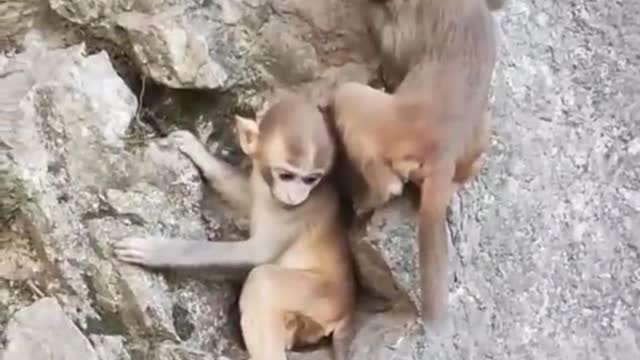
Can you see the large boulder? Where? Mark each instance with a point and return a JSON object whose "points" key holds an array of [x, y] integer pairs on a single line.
{"points": [[16, 18], [89, 185], [43, 331], [223, 44]]}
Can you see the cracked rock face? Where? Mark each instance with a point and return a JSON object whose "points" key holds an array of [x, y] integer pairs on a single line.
{"points": [[65, 135], [171, 54], [220, 44], [385, 249], [17, 17], [43, 331]]}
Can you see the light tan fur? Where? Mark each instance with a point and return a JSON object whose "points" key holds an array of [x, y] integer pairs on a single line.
{"points": [[301, 285], [438, 57]]}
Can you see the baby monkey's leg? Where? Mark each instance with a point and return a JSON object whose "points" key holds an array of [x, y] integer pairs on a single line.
{"points": [[269, 293], [232, 186]]}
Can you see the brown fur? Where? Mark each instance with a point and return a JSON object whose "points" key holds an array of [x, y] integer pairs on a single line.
{"points": [[439, 56], [301, 285]]}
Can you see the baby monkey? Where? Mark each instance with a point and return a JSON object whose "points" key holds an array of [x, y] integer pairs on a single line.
{"points": [[301, 285], [438, 56]]}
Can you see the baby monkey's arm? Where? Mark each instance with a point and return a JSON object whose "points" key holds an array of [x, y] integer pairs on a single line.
{"points": [[230, 183], [155, 251]]}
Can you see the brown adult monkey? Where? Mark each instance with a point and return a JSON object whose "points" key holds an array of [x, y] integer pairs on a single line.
{"points": [[433, 129], [301, 287]]}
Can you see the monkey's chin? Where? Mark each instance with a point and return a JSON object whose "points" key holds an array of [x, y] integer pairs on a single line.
{"points": [[286, 203]]}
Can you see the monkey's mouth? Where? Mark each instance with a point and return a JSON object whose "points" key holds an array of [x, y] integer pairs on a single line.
{"points": [[284, 204], [288, 206]]}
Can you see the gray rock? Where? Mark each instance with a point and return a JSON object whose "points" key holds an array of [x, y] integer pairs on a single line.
{"points": [[59, 123], [222, 44], [43, 331], [109, 347], [388, 336], [88, 12], [386, 252], [16, 18], [68, 113], [172, 352], [170, 54]]}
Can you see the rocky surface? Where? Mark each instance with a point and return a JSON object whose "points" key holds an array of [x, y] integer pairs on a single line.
{"points": [[544, 252], [43, 331], [17, 17], [222, 44], [66, 137]]}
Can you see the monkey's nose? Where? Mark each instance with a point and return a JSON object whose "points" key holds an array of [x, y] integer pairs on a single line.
{"points": [[289, 199]]}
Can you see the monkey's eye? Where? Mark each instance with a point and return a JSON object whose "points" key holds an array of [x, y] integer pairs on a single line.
{"points": [[286, 176], [311, 179]]}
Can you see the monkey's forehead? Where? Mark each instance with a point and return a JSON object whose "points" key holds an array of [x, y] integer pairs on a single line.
{"points": [[298, 123], [292, 110], [300, 150], [296, 127]]}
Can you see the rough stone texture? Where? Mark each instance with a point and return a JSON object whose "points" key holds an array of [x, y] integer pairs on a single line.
{"points": [[226, 43], [110, 347], [89, 11], [67, 116], [19, 275], [43, 331], [17, 17], [546, 240], [389, 336], [385, 255], [171, 54], [173, 352]]}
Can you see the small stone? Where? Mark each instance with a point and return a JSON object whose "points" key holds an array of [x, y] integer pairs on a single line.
{"points": [[43, 331]]}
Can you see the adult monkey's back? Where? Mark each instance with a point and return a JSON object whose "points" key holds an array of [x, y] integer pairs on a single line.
{"points": [[438, 58]]}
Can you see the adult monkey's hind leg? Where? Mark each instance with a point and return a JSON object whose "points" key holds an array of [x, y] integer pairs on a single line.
{"points": [[270, 294], [359, 112]]}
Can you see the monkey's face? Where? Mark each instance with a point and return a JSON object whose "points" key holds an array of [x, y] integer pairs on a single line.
{"points": [[291, 186], [291, 147], [293, 166]]}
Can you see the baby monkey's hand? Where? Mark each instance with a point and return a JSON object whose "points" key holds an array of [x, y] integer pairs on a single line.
{"points": [[147, 251], [189, 145]]}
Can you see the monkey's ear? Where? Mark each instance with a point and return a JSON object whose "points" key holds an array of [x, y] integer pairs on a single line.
{"points": [[247, 130], [263, 110]]}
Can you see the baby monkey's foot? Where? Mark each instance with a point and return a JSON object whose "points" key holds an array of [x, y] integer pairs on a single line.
{"points": [[149, 251], [189, 145]]}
